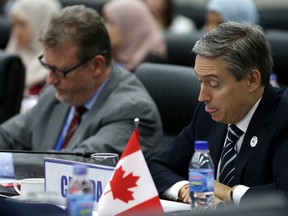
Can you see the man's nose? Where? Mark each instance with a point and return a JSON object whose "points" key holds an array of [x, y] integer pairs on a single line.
{"points": [[204, 95], [51, 78]]}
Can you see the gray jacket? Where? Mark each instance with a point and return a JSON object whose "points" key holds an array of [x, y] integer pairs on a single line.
{"points": [[106, 128]]}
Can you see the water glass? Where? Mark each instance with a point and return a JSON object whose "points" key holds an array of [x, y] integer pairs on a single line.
{"points": [[107, 159]]}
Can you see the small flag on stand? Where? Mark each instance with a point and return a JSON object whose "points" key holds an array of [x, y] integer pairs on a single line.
{"points": [[131, 190]]}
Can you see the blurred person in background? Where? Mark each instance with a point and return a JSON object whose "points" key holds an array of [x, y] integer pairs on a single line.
{"points": [[165, 14], [134, 32], [28, 17], [220, 11]]}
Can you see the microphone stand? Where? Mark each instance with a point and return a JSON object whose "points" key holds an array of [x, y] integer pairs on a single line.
{"points": [[81, 154]]}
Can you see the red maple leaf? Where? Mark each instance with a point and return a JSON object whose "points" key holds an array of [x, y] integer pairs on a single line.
{"points": [[120, 185]]}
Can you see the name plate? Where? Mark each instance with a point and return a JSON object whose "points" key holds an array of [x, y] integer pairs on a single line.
{"points": [[58, 174]]}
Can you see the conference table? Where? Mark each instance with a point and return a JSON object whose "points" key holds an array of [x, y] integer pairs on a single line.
{"points": [[168, 206], [262, 206]]}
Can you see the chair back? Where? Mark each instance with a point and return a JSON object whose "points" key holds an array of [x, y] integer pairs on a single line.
{"points": [[274, 18], [179, 50], [175, 91], [12, 82], [5, 30], [279, 47]]}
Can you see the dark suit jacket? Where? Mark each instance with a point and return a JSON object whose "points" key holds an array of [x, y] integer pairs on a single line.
{"points": [[106, 128], [263, 167]]}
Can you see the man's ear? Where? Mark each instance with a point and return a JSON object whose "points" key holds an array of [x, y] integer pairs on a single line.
{"points": [[99, 65], [254, 80]]}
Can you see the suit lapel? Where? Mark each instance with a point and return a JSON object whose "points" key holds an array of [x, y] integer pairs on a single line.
{"points": [[54, 126], [257, 130], [110, 86], [80, 133]]}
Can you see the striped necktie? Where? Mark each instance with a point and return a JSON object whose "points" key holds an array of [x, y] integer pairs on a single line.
{"points": [[228, 156], [79, 111]]}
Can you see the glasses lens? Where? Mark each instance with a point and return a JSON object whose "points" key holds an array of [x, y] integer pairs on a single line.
{"points": [[59, 72], [50, 68]]}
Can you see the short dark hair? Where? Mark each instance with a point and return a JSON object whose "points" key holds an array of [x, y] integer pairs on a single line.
{"points": [[84, 26]]}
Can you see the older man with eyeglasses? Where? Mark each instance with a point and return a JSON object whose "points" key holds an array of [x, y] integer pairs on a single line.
{"points": [[81, 76]]}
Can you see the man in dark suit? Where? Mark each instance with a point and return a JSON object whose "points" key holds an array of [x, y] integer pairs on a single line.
{"points": [[233, 64], [77, 55]]}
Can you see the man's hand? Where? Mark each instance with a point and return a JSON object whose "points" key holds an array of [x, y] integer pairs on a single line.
{"points": [[184, 193], [222, 192], [218, 202]]}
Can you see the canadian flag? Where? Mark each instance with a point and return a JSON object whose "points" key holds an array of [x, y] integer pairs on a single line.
{"points": [[131, 189]]}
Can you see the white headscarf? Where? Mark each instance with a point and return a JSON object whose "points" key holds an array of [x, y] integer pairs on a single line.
{"points": [[237, 11], [37, 14]]}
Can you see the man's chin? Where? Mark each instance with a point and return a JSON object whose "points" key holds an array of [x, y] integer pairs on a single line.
{"points": [[60, 97], [216, 118], [67, 100]]}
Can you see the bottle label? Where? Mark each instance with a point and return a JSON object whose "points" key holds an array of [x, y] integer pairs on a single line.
{"points": [[201, 180], [80, 204]]}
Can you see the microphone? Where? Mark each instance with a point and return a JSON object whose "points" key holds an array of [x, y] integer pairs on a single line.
{"points": [[80, 154]]}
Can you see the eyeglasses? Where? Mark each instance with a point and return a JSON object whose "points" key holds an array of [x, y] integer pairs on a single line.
{"points": [[59, 72]]}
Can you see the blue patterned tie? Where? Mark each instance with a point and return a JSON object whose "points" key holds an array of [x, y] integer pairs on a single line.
{"points": [[228, 156]]}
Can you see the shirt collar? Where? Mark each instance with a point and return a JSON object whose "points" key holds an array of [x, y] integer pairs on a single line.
{"points": [[88, 105], [243, 124]]}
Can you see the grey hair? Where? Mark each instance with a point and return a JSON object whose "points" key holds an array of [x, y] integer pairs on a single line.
{"points": [[242, 46], [84, 26]]}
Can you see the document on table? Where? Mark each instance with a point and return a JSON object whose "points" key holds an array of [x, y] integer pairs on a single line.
{"points": [[172, 206]]}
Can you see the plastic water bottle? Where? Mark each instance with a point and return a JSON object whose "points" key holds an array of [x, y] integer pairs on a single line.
{"points": [[79, 194], [201, 178]]}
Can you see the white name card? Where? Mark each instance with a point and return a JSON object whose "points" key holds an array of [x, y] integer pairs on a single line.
{"points": [[58, 174]]}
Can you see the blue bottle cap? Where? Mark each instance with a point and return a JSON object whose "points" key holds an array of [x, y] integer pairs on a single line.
{"points": [[80, 169], [201, 145]]}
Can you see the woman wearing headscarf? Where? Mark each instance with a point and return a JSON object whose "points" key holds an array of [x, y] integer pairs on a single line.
{"points": [[168, 18], [28, 18], [219, 11], [133, 31]]}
